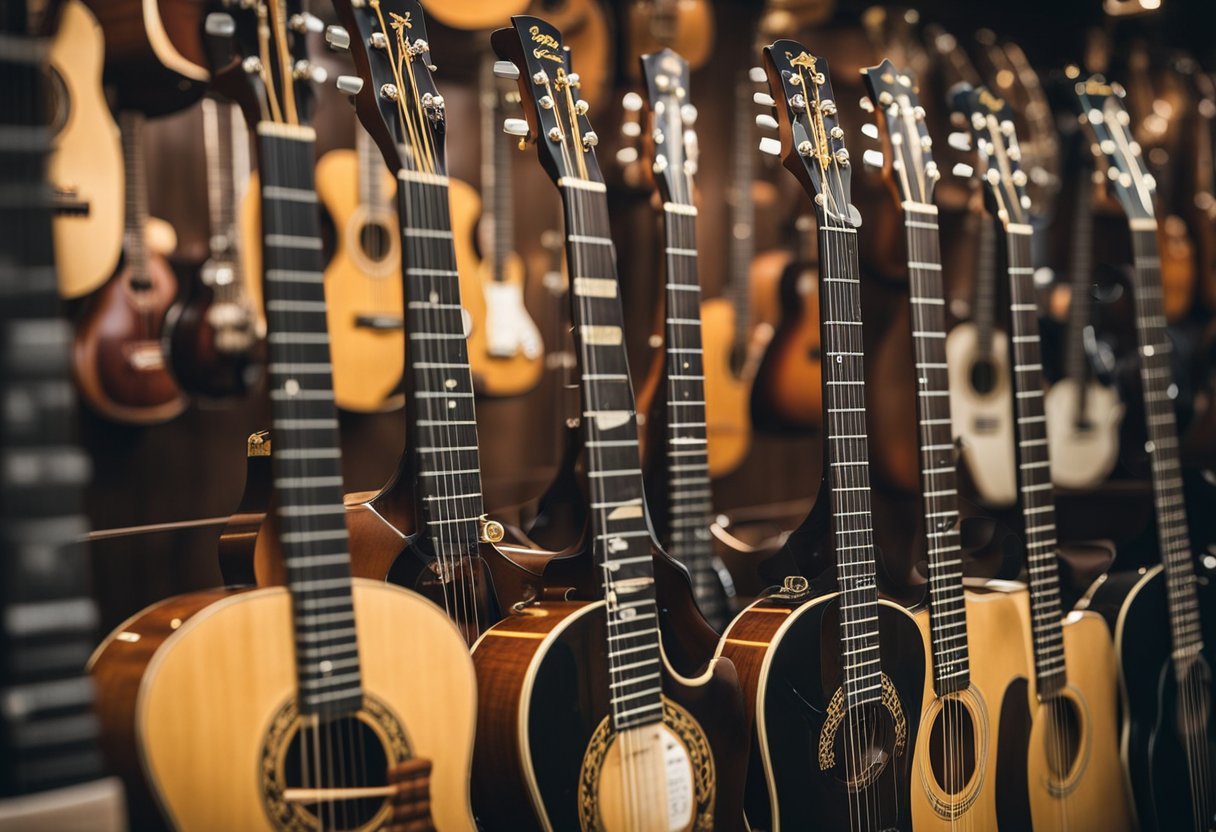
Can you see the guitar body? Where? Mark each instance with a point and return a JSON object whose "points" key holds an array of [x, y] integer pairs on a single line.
{"points": [[118, 357], [787, 392], [488, 303], [1084, 447], [962, 789], [788, 658], [691, 27], [197, 705], [476, 15], [981, 407], [86, 159], [727, 396], [1153, 746], [546, 755]]}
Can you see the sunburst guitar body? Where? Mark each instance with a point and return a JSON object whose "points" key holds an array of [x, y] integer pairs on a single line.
{"points": [[197, 698], [787, 392], [981, 407], [728, 421]]}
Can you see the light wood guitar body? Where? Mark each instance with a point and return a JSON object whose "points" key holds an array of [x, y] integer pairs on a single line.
{"points": [[983, 412], [86, 160], [89, 807], [787, 391], [475, 15], [728, 419], [197, 701], [1084, 447]]}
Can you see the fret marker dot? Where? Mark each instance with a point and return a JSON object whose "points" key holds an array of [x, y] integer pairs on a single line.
{"points": [[685, 365], [291, 387], [627, 613], [451, 405], [326, 667], [840, 359], [1149, 350], [1172, 391], [1149, 446], [433, 297], [450, 383]]}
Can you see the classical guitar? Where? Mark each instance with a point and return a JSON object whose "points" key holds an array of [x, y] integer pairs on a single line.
{"points": [[213, 333], [967, 762], [85, 166], [834, 681], [1073, 775], [1169, 728], [427, 527], [1083, 415], [587, 722], [119, 356], [332, 702], [678, 457], [51, 773]]}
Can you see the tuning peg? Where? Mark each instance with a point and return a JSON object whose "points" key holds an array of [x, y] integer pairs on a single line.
{"points": [[305, 70], [770, 146], [763, 99], [866, 104], [337, 38], [515, 127], [963, 170], [350, 84], [632, 102], [869, 131], [872, 158], [507, 70], [220, 25], [766, 122], [756, 75], [305, 22], [631, 129], [627, 155], [959, 141]]}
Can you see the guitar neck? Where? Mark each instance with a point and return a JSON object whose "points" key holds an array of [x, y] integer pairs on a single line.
{"points": [[442, 427], [222, 145], [948, 621], [48, 733], [368, 163], [1081, 264], [619, 529], [131, 125], [1156, 377], [1034, 466], [847, 451], [984, 313], [306, 463]]}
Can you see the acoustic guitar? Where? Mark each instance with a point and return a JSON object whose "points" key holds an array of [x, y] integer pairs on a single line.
{"points": [[587, 721], [834, 681], [333, 702], [684, 26], [119, 356], [1168, 741], [85, 166], [476, 15], [51, 772], [1073, 776], [968, 749]]}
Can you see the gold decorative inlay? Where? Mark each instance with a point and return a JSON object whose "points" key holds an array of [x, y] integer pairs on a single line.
{"points": [[835, 716], [258, 444]]}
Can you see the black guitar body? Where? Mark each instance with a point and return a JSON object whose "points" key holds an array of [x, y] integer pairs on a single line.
{"points": [[1156, 715], [830, 767]]}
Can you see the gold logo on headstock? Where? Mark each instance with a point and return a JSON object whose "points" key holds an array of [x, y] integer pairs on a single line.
{"points": [[992, 102], [549, 47], [399, 22]]}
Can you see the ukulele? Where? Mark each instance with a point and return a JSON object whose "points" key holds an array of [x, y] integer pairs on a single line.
{"points": [[965, 753], [679, 467], [51, 773], [85, 166], [1168, 725], [332, 702], [587, 719], [213, 333], [1073, 774], [833, 681], [1083, 415], [119, 356]]}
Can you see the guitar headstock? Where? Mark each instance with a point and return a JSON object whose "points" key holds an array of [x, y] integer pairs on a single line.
{"points": [[259, 57], [996, 145], [671, 140], [556, 117], [395, 94], [908, 164], [812, 142], [1107, 126]]}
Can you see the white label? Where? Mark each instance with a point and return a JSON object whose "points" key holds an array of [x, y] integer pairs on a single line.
{"points": [[678, 769]]}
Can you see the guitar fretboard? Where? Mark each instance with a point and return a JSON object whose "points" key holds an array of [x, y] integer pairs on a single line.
{"points": [[844, 405], [1075, 360], [947, 620], [984, 313], [1034, 466], [306, 462], [131, 124], [1156, 376], [619, 528]]}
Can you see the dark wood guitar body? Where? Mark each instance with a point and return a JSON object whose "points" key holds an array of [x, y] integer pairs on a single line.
{"points": [[543, 687], [789, 662], [787, 393], [118, 357], [1154, 713], [192, 343]]}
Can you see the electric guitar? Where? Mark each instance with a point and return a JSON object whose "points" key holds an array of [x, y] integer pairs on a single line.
{"points": [[966, 764], [51, 772], [1169, 728], [833, 681], [333, 702], [1073, 775], [608, 714]]}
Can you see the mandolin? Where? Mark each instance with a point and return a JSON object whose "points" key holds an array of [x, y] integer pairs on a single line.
{"points": [[1073, 775], [679, 467], [587, 722], [213, 333], [969, 756], [833, 681], [85, 166], [119, 355], [332, 702], [51, 771], [1168, 726]]}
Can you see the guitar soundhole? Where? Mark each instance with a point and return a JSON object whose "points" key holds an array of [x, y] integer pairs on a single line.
{"points": [[983, 377], [375, 241], [952, 746], [1063, 737], [864, 743], [331, 764]]}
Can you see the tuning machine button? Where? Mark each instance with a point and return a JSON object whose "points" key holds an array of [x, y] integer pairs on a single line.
{"points": [[959, 141], [305, 22], [870, 131], [350, 84], [632, 102], [506, 70], [770, 146], [766, 122], [220, 25], [307, 71], [338, 38], [872, 158], [963, 170], [866, 104], [756, 75], [763, 99], [515, 127]]}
